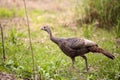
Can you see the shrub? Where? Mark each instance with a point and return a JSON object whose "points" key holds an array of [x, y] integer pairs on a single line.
{"points": [[105, 12]]}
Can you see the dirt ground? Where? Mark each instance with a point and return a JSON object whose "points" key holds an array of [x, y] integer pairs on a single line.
{"points": [[6, 76], [37, 4]]}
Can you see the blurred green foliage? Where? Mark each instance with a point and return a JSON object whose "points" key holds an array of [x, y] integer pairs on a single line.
{"points": [[7, 12]]}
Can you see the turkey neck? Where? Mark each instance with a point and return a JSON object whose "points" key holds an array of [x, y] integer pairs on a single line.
{"points": [[52, 38]]}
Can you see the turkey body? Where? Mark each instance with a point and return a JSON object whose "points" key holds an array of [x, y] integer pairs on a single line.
{"points": [[73, 47]]}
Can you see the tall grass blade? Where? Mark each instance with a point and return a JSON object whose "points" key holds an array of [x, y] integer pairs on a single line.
{"points": [[3, 48]]}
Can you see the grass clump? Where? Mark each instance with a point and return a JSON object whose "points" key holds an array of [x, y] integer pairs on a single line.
{"points": [[7, 13], [106, 12], [103, 12]]}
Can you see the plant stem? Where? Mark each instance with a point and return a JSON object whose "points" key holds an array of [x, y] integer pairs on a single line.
{"points": [[31, 48], [3, 48]]}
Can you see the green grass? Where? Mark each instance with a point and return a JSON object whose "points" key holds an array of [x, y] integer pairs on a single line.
{"points": [[50, 61], [7, 13]]}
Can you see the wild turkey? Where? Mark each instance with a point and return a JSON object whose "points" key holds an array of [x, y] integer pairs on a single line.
{"points": [[73, 47]]}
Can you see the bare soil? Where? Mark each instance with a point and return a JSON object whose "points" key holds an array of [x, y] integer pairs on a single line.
{"points": [[36, 4], [6, 76]]}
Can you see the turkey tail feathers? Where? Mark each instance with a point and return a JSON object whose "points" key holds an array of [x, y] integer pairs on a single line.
{"points": [[108, 55], [100, 50]]}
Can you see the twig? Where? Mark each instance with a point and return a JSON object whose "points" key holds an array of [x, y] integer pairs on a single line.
{"points": [[31, 48], [3, 48]]}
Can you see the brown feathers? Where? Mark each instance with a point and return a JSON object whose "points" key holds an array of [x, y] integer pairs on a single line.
{"points": [[100, 50]]}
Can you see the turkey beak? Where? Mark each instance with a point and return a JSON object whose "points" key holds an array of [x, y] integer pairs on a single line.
{"points": [[42, 28]]}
